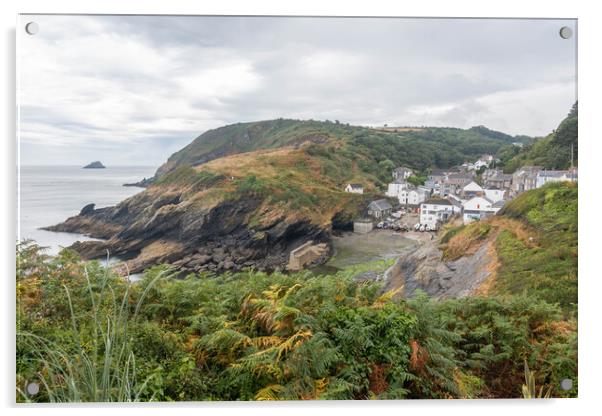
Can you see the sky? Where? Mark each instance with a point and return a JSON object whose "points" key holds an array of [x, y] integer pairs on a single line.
{"points": [[131, 90]]}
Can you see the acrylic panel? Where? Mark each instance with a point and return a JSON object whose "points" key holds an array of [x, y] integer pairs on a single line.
{"points": [[295, 208]]}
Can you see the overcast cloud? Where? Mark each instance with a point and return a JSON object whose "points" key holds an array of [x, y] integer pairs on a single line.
{"points": [[132, 90]]}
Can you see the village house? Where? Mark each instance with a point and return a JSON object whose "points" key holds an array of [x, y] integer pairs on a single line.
{"points": [[456, 202], [494, 194], [380, 209], [472, 189], [478, 208], [459, 179], [446, 189], [432, 186], [437, 175], [436, 211], [408, 194], [484, 160], [547, 176], [524, 179], [397, 188], [354, 188], [493, 178], [402, 173], [417, 196]]}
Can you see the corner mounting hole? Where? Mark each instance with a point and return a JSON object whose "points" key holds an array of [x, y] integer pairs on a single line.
{"points": [[566, 32], [32, 28]]}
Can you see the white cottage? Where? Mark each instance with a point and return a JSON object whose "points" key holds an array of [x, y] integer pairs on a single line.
{"points": [[494, 194], [417, 196], [435, 211], [546, 176], [402, 173], [397, 188], [478, 208], [354, 188], [472, 189], [484, 160]]}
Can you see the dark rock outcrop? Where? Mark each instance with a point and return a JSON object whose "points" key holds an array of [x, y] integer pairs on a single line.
{"points": [[144, 183], [95, 165], [160, 226], [87, 209]]}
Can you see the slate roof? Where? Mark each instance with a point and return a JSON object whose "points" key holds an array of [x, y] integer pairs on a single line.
{"points": [[499, 177], [380, 205], [437, 201], [555, 173], [461, 176]]}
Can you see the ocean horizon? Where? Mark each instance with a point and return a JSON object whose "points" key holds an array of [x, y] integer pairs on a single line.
{"points": [[49, 194]]}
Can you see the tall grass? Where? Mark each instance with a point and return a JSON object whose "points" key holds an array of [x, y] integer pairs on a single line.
{"points": [[100, 370], [529, 389]]}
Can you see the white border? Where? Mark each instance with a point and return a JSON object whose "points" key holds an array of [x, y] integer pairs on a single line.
{"points": [[590, 34]]}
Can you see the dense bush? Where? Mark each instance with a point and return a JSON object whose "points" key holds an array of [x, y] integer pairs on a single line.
{"points": [[254, 336]]}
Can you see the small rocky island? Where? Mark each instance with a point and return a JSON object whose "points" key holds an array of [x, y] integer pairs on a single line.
{"points": [[95, 165]]}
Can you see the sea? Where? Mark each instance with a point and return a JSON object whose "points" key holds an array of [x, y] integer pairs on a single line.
{"points": [[48, 195]]}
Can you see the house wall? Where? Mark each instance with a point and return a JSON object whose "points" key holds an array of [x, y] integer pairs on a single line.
{"points": [[477, 204], [379, 214], [469, 217], [362, 227], [394, 189], [415, 197], [494, 195], [354, 191], [431, 214], [542, 180]]}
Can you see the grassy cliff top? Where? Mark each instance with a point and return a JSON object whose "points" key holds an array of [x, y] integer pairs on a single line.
{"points": [[419, 148]]}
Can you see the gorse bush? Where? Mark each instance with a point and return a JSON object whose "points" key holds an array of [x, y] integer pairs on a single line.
{"points": [[85, 334]]}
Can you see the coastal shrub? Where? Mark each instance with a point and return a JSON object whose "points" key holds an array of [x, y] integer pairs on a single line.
{"points": [[450, 233], [465, 240], [546, 263], [252, 185], [94, 360], [91, 335]]}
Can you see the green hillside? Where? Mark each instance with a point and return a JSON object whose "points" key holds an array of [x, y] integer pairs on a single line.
{"points": [[551, 152], [419, 148], [534, 239], [299, 168]]}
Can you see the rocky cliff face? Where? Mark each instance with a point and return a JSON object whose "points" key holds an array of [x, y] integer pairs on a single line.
{"points": [[425, 269], [164, 224]]}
